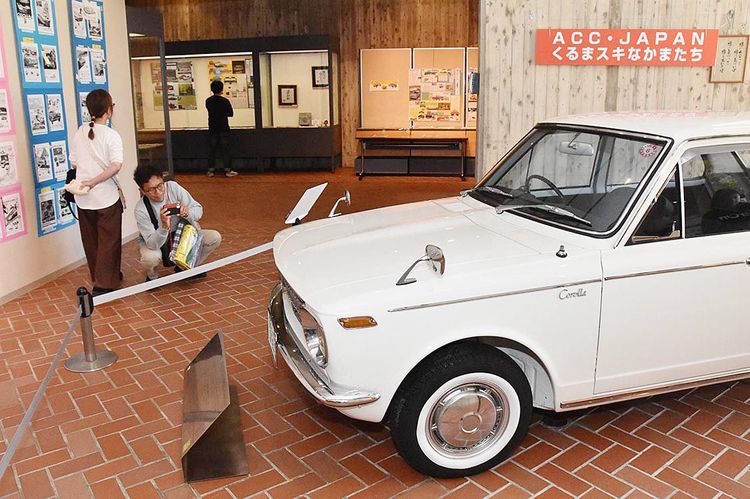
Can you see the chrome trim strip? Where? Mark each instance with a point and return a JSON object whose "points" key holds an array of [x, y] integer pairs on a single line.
{"points": [[670, 271], [326, 392], [648, 392], [494, 295]]}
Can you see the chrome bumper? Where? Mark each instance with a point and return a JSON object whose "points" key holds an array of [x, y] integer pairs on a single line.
{"points": [[282, 340]]}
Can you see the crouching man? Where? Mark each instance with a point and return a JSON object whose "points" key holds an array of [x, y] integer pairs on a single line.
{"points": [[157, 214]]}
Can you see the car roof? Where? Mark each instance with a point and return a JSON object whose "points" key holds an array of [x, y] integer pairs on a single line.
{"points": [[678, 125]]}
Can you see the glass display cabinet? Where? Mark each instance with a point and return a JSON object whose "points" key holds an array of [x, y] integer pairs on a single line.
{"points": [[284, 92]]}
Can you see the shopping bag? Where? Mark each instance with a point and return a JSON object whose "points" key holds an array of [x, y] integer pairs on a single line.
{"points": [[187, 245]]}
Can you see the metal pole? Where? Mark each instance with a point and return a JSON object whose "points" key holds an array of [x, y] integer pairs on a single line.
{"points": [[91, 359]]}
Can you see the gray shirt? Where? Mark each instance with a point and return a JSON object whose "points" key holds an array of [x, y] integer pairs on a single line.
{"points": [[173, 193]]}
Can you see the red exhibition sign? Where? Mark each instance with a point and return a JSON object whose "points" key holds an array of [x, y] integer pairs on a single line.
{"points": [[626, 47]]}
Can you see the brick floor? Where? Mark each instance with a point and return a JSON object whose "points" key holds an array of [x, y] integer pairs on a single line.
{"points": [[116, 433]]}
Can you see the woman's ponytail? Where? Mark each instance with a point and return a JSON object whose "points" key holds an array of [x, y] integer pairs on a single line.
{"points": [[98, 103]]}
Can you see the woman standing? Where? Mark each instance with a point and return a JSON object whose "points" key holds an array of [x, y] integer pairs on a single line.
{"points": [[96, 154]]}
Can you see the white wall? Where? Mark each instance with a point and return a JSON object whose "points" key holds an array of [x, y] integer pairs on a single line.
{"points": [[30, 259], [295, 69], [515, 93]]}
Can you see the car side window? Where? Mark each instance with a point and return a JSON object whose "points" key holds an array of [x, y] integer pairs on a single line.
{"points": [[663, 219], [717, 190]]}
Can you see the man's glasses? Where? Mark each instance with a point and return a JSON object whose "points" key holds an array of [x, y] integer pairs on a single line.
{"points": [[155, 188]]}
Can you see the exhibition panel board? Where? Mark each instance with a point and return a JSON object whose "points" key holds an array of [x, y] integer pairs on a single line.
{"points": [[284, 92], [418, 111]]}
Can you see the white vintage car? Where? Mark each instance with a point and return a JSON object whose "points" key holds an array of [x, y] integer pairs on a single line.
{"points": [[602, 259]]}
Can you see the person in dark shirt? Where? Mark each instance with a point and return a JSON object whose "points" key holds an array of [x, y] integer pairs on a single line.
{"points": [[219, 110]]}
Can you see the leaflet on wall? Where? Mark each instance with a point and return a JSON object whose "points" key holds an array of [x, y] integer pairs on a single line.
{"points": [[59, 152], [83, 65], [5, 124], [44, 22], [8, 169], [30, 51], [98, 65], [85, 116], [24, 16], [79, 23], [64, 211], [42, 162], [37, 114], [50, 64], [384, 85], [46, 204], [54, 112], [12, 214], [93, 15]]}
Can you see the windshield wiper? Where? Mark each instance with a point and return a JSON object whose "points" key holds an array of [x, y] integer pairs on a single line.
{"points": [[544, 207], [495, 190]]}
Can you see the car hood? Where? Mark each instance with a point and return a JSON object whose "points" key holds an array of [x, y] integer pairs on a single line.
{"points": [[340, 263]]}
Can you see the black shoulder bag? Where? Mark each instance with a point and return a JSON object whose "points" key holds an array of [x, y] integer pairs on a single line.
{"points": [[166, 246]]}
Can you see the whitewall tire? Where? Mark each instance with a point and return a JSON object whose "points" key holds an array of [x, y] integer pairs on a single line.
{"points": [[463, 410]]}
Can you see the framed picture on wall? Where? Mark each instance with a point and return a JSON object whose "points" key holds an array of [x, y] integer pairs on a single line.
{"points": [[731, 59], [287, 95], [319, 76]]}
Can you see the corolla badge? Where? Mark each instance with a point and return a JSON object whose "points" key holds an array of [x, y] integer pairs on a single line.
{"points": [[566, 293]]}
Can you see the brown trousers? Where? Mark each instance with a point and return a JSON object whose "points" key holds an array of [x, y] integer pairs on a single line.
{"points": [[101, 234]]}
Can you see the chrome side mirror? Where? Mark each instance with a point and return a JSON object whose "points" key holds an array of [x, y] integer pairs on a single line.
{"points": [[346, 198], [432, 254]]}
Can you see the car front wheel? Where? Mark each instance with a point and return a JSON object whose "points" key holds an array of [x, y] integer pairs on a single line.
{"points": [[462, 411]]}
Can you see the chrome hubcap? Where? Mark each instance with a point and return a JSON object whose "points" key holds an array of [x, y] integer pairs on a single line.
{"points": [[468, 419]]}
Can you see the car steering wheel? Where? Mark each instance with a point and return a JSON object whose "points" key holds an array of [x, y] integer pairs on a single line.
{"points": [[546, 181]]}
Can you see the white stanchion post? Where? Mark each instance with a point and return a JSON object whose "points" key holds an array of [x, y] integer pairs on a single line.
{"points": [[91, 359]]}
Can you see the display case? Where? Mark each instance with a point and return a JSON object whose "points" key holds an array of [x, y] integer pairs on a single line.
{"points": [[284, 92]]}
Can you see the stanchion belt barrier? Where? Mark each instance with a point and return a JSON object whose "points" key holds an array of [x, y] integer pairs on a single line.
{"points": [[18, 435], [100, 300], [163, 281]]}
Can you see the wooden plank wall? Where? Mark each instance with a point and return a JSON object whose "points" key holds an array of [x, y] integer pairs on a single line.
{"points": [[357, 23], [515, 93]]}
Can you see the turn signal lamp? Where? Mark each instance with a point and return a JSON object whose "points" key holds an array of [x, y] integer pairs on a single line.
{"points": [[357, 322]]}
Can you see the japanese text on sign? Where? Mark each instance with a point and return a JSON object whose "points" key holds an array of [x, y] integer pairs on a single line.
{"points": [[626, 47], [730, 59]]}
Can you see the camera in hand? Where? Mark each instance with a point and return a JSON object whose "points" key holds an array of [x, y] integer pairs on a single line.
{"points": [[173, 208]]}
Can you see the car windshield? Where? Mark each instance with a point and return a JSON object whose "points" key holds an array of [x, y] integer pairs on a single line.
{"points": [[582, 179]]}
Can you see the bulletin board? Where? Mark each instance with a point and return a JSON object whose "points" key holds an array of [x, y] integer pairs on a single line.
{"points": [[420, 88], [384, 88], [472, 86], [442, 99]]}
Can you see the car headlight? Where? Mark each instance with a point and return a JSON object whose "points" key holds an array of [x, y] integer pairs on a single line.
{"points": [[315, 338]]}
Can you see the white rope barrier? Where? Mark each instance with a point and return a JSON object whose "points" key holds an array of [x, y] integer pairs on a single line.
{"points": [[185, 274], [18, 435]]}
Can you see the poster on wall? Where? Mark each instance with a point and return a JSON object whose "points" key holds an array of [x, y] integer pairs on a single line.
{"points": [[8, 168], [79, 23], [5, 121], [13, 220], [41, 84], [37, 114], [237, 76], [30, 61], [384, 86], [46, 207], [44, 22], [434, 94], [50, 64], [24, 16]]}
